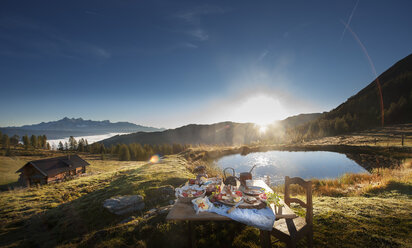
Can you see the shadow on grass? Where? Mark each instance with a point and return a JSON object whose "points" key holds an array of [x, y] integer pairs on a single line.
{"points": [[8, 186], [84, 217], [393, 187]]}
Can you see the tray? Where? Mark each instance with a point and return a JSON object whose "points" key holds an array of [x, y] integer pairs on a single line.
{"points": [[257, 205], [253, 190]]}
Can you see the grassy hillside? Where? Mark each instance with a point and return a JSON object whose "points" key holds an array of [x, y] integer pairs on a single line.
{"points": [[8, 168], [55, 214], [376, 212]]}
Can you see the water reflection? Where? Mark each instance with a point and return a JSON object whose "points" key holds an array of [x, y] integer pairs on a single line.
{"points": [[278, 164]]}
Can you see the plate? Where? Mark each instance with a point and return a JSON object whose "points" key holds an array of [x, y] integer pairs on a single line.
{"points": [[253, 190]]}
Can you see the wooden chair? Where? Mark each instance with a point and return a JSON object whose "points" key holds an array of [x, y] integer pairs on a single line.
{"points": [[291, 230]]}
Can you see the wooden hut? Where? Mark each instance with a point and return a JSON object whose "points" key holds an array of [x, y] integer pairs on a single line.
{"points": [[52, 169]]}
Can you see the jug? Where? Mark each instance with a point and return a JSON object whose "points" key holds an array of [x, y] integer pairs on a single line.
{"points": [[229, 180]]}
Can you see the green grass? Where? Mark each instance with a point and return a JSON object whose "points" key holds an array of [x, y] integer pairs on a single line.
{"points": [[56, 214], [8, 167], [71, 214]]}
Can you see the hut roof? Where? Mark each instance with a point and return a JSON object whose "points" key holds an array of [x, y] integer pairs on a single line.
{"points": [[53, 166]]}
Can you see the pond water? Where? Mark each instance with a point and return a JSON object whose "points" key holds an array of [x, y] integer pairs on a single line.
{"points": [[278, 164]]}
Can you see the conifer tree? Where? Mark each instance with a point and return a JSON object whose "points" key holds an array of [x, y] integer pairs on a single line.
{"points": [[124, 153], [72, 143], [60, 146], [6, 141], [44, 141], [14, 140], [33, 141], [26, 142]]}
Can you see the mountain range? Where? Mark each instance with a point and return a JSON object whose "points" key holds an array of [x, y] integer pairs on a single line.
{"points": [[76, 127]]}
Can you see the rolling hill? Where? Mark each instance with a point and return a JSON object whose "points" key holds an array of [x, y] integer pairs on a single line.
{"points": [[223, 133]]}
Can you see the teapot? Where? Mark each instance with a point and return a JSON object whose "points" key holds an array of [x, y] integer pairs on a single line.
{"points": [[230, 180]]}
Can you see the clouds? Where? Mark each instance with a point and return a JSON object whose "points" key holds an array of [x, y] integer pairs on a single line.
{"points": [[192, 22], [194, 15], [262, 55], [199, 34], [29, 38]]}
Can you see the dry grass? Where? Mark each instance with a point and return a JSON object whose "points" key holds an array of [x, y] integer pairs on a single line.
{"points": [[57, 214], [70, 214], [358, 184]]}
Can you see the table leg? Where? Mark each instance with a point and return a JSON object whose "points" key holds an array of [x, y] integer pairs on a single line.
{"points": [[265, 239], [191, 239]]}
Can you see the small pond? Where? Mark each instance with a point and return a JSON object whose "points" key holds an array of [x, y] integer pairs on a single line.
{"points": [[278, 164]]}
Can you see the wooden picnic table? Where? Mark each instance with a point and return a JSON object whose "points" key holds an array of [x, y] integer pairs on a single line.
{"points": [[185, 212]]}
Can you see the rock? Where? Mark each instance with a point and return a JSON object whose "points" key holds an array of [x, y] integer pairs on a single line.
{"points": [[160, 194], [124, 204], [152, 211], [128, 219], [171, 202]]}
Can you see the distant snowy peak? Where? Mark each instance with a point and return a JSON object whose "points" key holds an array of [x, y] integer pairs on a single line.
{"points": [[79, 123]]}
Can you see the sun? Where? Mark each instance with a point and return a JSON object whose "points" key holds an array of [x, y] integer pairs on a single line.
{"points": [[261, 109], [262, 129]]}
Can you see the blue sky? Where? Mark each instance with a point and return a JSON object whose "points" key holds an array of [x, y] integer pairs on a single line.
{"points": [[171, 63]]}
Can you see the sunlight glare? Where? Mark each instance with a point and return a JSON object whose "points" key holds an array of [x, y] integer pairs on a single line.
{"points": [[261, 109], [262, 129], [155, 159]]}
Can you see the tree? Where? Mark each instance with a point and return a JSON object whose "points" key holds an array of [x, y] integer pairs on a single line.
{"points": [[60, 146], [66, 146], [48, 146], [6, 141], [44, 141], [40, 141], [86, 145], [103, 149], [26, 142], [124, 153], [33, 141], [72, 143], [80, 146], [14, 140]]}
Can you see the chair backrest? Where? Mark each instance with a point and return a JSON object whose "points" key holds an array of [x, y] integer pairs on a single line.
{"points": [[307, 185]]}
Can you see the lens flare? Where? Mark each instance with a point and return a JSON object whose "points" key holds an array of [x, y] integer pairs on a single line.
{"points": [[154, 159], [372, 67], [262, 129]]}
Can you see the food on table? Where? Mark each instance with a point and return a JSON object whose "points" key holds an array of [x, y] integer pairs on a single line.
{"points": [[191, 193], [192, 181], [202, 203], [252, 190], [203, 179], [263, 197], [250, 199]]}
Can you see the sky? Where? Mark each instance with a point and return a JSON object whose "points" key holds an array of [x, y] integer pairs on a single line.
{"points": [[171, 63]]}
